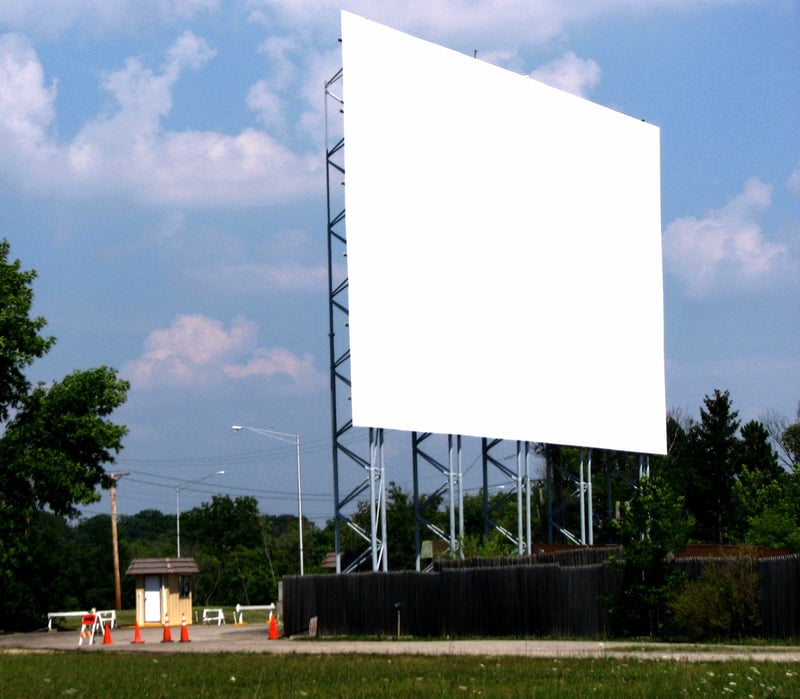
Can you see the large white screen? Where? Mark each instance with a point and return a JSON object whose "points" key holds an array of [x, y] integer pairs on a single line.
{"points": [[503, 252]]}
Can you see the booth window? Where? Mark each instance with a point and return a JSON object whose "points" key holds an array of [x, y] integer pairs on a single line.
{"points": [[183, 585]]}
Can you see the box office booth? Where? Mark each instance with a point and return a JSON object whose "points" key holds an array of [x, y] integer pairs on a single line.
{"points": [[163, 589]]}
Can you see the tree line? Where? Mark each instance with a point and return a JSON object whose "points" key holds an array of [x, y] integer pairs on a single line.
{"points": [[241, 553]]}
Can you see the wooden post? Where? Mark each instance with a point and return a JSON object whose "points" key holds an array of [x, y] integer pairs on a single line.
{"points": [[114, 540]]}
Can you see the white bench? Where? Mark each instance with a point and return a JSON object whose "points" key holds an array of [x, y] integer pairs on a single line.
{"points": [[252, 607], [213, 615], [107, 616], [54, 615]]}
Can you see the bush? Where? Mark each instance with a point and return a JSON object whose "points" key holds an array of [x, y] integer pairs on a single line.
{"points": [[723, 602]]}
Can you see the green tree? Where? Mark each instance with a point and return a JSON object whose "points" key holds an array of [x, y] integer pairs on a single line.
{"points": [[90, 538], [654, 525], [20, 339], [55, 440], [786, 437], [728, 474], [221, 535], [400, 525], [759, 483], [46, 574], [714, 464], [770, 510], [55, 447], [791, 440], [757, 454], [317, 542], [146, 534]]}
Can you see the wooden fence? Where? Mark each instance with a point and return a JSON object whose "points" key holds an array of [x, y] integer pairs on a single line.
{"points": [[780, 596], [552, 595]]}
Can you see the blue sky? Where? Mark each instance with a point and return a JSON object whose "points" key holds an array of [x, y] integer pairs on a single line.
{"points": [[162, 168]]}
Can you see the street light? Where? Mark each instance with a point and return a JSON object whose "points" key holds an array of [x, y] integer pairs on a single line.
{"points": [[178, 502], [292, 439]]}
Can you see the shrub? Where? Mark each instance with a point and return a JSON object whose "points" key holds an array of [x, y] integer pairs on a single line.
{"points": [[723, 602]]}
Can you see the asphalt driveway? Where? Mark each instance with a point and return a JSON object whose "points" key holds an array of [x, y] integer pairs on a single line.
{"points": [[254, 638]]}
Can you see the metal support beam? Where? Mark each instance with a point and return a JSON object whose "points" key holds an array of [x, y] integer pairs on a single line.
{"points": [[377, 510], [528, 489], [521, 491], [422, 448], [342, 430]]}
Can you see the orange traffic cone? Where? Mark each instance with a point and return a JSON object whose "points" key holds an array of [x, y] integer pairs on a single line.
{"points": [[273, 628], [107, 635], [167, 633], [184, 630], [137, 635]]}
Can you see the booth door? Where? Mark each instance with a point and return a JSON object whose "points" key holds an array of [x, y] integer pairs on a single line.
{"points": [[152, 599]]}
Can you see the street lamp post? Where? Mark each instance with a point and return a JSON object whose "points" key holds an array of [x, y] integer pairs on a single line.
{"points": [[178, 502], [292, 439]]}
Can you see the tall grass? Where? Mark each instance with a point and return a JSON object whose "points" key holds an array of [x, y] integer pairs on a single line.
{"points": [[145, 676]]}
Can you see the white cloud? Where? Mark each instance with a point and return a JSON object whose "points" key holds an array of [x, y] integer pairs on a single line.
{"points": [[197, 349], [542, 18], [273, 362], [501, 22], [258, 278], [267, 105], [203, 167], [95, 16], [725, 249], [188, 51], [128, 151], [318, 68], [26, 102], [295, 74], [145, 97], [282, 54], [570, 73]]}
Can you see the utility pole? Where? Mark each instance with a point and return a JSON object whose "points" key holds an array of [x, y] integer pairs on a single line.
{"points": [[114, 541]]}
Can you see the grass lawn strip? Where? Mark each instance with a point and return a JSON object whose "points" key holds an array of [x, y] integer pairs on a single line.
{"points": [[144, 675]]}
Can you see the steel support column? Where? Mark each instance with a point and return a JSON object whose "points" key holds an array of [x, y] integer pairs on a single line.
{"points": [[342, 431], [422, 447], [521, 491]]}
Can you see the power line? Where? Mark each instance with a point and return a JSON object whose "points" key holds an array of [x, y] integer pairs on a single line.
{"points": [[311, 447], [212, 490]]}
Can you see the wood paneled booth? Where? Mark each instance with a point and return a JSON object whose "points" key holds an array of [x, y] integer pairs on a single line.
{"points": [[163, 590]]}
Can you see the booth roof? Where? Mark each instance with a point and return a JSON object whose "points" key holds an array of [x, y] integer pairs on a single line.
{"points": [[162, 566]]}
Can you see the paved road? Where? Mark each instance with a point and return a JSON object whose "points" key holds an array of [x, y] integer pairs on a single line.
{"points": [[254, 638]]}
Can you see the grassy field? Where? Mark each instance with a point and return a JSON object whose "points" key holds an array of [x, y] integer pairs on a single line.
{"points": [[144, 676]]}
